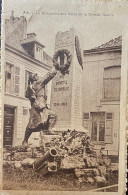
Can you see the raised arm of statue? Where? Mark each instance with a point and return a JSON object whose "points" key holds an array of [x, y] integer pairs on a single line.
{"points": [[48, 77]]}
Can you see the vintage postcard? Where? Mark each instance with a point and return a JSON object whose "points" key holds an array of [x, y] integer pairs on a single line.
{"points": [[64, 97]]}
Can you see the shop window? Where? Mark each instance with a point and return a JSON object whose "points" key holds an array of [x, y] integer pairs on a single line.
{"points": [[112, 83]]}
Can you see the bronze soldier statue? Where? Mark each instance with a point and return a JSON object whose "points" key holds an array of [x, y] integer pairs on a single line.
{"points": [[41, 117]]}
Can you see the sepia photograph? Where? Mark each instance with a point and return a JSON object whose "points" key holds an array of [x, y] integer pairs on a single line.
{"points": [[64, 81]]}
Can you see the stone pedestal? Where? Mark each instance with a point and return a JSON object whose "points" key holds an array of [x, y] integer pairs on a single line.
{"points": [[66, 95]]}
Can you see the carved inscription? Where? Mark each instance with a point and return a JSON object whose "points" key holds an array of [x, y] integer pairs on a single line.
{"points": [[61, 86]]}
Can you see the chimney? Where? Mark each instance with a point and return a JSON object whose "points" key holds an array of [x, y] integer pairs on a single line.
{"points": [[12, 16], [14, 23], [31, 35]]}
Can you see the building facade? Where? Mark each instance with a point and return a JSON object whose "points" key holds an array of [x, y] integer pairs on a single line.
{"points": [[24, 54], [101, 95]]}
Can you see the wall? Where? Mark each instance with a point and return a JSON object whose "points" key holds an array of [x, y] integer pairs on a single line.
{"points": [[20, 103], [94, 65]]}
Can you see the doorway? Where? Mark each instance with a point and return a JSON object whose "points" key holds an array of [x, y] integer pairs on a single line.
{"points": [[8, 126], [98, 127]]}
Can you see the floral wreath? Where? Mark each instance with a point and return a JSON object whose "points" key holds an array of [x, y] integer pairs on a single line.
{"points": [[62, 68]]}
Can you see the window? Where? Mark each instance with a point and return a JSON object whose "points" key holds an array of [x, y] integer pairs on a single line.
{"points": [[9, 78], [86, 115], [17, 78], [25, 111], [109, 116], [27, 74], [38, 49], [111, 83], [38, 53], [12, 78]]}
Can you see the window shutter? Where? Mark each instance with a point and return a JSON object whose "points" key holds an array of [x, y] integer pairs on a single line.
{"points": [[108, 129], [86, 120], [26, 79], [86, 124], [5, 81], [17, 79]]}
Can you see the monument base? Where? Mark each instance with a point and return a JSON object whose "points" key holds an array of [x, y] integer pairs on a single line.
{"points": [[58, 130]]}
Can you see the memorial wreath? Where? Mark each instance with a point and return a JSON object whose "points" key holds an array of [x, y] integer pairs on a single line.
{"points": [[63, 68]]}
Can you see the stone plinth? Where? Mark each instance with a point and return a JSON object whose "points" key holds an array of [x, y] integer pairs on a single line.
{"points": [[66, 96]]}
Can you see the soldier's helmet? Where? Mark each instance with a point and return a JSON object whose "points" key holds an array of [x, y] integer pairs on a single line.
{"points": [[52, 116], [33, 77]]}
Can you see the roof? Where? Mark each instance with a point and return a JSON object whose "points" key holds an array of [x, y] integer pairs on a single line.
{"points": [[31, 40], [117, 42], [14, 34], [112, 44], [14, 40]]}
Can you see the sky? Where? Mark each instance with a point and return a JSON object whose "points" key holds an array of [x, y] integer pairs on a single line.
{"points": [[96, 21]]}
